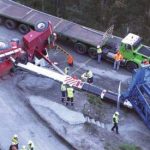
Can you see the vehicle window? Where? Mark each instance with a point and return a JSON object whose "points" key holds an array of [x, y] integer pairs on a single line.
{"points": [[128, 47], [137, 44]]}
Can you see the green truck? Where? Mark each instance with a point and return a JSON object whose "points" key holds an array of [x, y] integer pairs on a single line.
{"points": [[134, 53]]}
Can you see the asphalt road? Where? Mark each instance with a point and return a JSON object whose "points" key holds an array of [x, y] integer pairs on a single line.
{"points": [[18, 118], [104, 74]]}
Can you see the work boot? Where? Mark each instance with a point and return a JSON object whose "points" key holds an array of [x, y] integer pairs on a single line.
{"points": [[112, 129], [117, 132]]}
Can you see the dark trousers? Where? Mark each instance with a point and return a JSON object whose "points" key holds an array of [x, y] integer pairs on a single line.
{"points": [[115, 127], [71, 64], [99, 57], [69, 99], [63, 96], [90, 80]]}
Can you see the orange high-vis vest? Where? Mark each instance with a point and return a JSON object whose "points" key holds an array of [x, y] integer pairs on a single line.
{"points": [[70, 59], [118, 57]]}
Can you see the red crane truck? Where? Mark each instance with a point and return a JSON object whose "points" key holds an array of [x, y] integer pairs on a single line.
{"points": [[34, 45]]}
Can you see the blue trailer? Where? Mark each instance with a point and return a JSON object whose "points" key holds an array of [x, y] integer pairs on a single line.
{"points": [[138, 93]]}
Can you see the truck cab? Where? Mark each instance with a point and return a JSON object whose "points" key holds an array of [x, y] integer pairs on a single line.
{"points": [[133, 51]]}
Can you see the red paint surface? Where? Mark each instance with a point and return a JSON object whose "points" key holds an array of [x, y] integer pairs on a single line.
{"points": [[5, 67]]}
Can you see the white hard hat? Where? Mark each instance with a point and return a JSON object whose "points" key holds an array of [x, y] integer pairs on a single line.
{"points": [[70, 85], [29, 142], [98, 46], [24, 146], [54, 34], [104, 91], [13, 143], [117, 113], [15, 136]]}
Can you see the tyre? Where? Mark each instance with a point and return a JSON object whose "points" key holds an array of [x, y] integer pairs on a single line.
{"points": [[92, 52], [1, 20], [10, 24], [23, 28], [80, 48], [131, 66], [41, 26]]}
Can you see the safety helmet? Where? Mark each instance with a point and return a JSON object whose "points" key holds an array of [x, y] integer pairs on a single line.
{"points": [[15, 136], [104, 91], [98, 46], [23, 146], [13, 143], [54, 34], [70, 85], [29, 142], [116, 113], [145, 60]]}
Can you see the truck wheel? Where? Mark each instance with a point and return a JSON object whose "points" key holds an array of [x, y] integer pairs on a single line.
{"points": [[131, 66], [23, 28], [1, 20], [41, 26], [80, 48], [92, 52], [10, 24]]}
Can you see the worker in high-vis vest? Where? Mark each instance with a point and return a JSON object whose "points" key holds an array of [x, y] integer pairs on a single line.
{"points": [[70, 95], [118, 58], [15, 141], [51, 40], [99, 53], [89, 75], [115, 121], [63, 92], [30, 145], [70, 60], [66, 70]]}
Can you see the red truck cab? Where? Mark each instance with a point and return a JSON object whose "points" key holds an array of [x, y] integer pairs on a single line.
{"points": [[37, 40]]}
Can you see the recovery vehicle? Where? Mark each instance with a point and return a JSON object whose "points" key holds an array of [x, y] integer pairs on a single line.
{"points": [[14, 15], [138, 93]]}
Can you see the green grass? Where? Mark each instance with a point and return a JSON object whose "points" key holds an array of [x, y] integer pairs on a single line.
{"points": [[129, 147], [94, 100]]}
